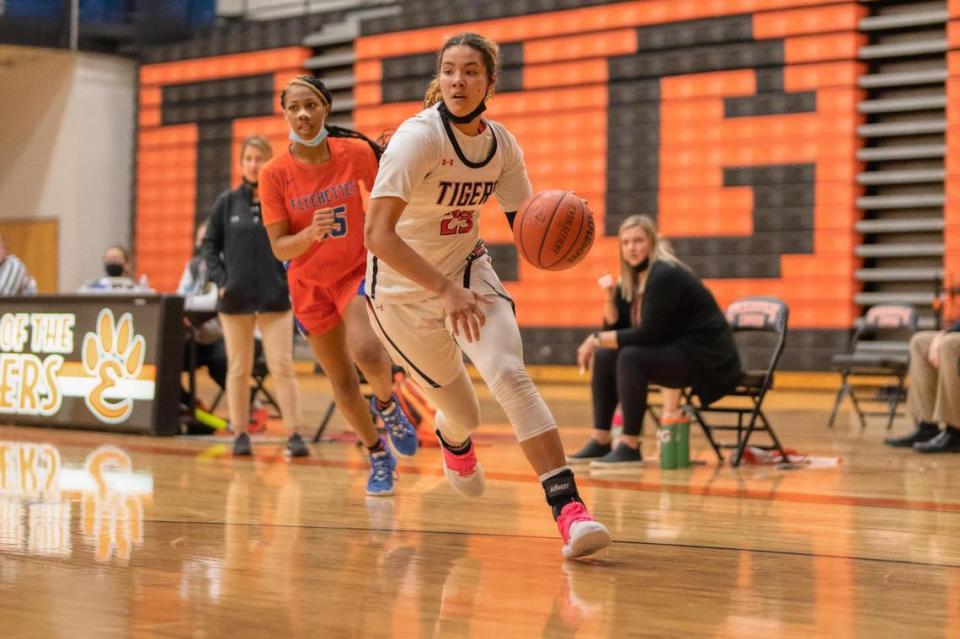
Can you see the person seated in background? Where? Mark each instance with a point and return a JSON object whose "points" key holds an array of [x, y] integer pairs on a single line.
{"points": [[119, 276], [200, 294], [14, 279], [199, 291], [933, 397], [661, 326]]}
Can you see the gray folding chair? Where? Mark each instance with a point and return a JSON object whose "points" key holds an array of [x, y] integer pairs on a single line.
{"points": [[877, 363]]}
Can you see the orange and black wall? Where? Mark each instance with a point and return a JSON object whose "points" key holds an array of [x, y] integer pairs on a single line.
{"points": [[733, 123]]}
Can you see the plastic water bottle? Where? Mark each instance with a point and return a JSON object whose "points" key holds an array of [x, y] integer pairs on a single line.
{"points": [[667, 438], [675, 442]]}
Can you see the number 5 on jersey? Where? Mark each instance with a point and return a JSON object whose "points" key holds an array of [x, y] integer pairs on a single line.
{"points": [[459, 221], [339, 221]]}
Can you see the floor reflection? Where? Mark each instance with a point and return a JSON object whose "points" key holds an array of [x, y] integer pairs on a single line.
{"points": [[216, 546], [39, 491]]}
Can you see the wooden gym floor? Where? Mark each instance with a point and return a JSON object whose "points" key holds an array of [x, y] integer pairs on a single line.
{"points": [[120, 536]]}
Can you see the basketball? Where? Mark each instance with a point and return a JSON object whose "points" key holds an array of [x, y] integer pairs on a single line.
{"points": [[553, 230]]}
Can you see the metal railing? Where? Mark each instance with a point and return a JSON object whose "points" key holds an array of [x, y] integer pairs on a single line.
{"points": [[270, 9]]}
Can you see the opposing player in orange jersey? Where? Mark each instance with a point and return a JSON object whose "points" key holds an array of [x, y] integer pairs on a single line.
{"points": [[314, 213]]}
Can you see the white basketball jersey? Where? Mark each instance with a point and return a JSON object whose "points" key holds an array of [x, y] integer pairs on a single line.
{"points": [[445, 177]]}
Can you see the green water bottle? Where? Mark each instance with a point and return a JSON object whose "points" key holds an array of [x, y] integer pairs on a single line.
{"points": [[682, 426], [667, 438]]}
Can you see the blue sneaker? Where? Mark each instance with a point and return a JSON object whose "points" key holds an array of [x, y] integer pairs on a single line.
{"points": [[403, 436], [383, 471]]}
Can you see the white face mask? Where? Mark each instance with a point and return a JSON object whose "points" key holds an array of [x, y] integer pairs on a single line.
{"points": [[314, 141]]}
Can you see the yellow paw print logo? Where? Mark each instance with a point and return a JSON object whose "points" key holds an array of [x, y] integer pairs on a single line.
{"points": [[112, 354]]}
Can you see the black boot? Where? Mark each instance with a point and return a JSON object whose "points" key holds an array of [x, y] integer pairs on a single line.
{"points": [[947, 441], [925, 432]]}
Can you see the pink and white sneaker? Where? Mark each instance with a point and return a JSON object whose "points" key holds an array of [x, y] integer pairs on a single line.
{"points": [[582, 534], [464, 472]]}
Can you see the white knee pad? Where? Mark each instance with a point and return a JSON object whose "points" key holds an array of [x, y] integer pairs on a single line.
{"points": [[514, 391]]}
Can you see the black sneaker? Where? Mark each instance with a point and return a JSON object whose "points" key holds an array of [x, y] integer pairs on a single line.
{"points": [[593, 450], [241, 445], [620, 457], [948, 441], [925, 432], [296, 447]]}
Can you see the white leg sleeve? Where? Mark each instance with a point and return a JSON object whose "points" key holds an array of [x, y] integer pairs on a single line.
{"points": [[458, 411], [498, 355]]}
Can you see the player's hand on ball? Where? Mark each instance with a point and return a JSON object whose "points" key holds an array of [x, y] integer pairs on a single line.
{"points": [[321, 224], [462, 306]]}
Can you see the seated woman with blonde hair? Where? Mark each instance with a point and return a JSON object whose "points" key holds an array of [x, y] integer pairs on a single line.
{"points": [[660, 326]]}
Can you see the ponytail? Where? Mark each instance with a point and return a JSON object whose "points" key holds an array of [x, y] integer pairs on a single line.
{"points": [[342, 132], [320, 89]]}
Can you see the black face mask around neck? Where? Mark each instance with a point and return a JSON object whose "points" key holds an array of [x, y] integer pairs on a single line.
{"points": [[252, 185], [462, 119], [644, 265], [113, 270]]}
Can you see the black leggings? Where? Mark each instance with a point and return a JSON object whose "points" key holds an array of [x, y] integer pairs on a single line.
{"points": [[624, 375]]}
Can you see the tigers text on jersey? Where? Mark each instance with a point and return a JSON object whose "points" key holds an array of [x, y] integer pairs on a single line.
{"points": [[445, 177]]}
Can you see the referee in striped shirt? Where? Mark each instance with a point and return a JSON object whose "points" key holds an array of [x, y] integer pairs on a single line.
{"points": [[14, 279]]}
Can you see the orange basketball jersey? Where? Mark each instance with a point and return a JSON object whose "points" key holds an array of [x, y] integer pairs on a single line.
{"points": [[292, 191]]}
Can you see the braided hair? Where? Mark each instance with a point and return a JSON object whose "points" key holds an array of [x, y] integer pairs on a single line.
{"points": [[320, 89]]}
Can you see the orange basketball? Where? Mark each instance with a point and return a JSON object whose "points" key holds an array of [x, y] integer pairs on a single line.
{"points": [[553, 230]]}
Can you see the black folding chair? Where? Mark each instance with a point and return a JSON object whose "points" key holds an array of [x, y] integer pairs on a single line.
{"points": [[759, 327], [328, 413], [259, 375], [877, 362]]}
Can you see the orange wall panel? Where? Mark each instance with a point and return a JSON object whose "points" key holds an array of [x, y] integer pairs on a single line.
{"points": [[838, 46], [807, 77], [779, 24], [367, 94], [565, 74], [580, 47], [612, 17], [725, 83], [215, 68]]}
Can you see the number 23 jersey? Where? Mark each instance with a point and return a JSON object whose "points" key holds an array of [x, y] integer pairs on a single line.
{"points": [[445, 177]]}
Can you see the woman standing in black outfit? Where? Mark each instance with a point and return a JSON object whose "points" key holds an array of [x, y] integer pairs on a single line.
{"points": [[253, 292], [661, 326]]}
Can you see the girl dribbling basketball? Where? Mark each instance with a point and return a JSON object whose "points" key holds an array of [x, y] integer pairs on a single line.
{"points": [[432, 291]]}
